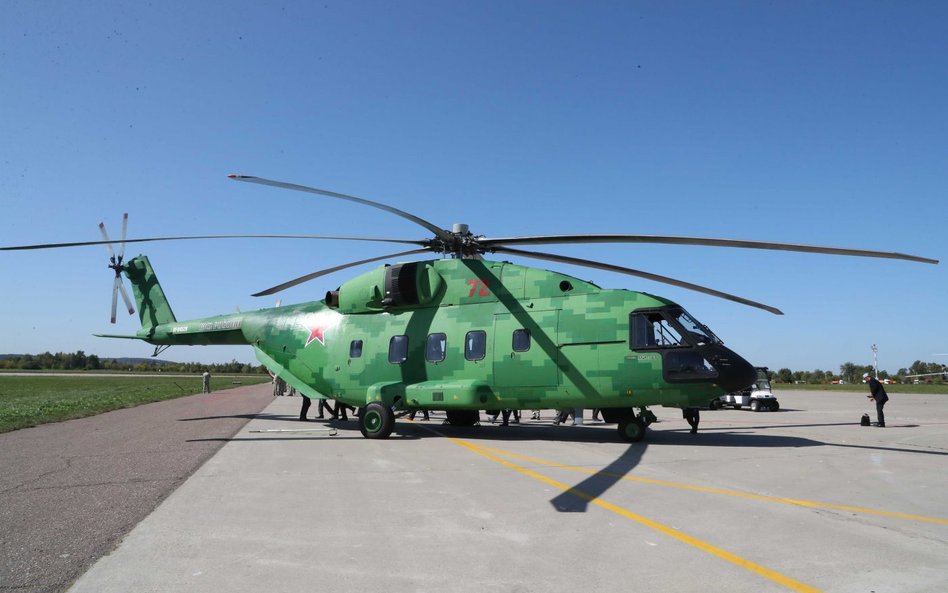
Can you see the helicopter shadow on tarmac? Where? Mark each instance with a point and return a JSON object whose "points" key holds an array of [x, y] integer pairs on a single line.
{"points": [[576, 499]]}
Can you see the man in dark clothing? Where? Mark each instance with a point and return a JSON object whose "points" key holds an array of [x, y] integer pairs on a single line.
{"points": [[323, 408], [305, 408], [877, 393], [506, 416], [693, 417], [341, 410]]}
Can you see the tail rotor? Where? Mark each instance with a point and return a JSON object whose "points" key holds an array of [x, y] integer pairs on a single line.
{"points": [[115, 263]]}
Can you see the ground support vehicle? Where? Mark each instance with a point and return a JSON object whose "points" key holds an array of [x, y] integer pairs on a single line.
{"points": [[757, 396]]}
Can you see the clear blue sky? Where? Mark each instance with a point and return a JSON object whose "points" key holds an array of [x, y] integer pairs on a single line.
{"points": [[802, 122]]}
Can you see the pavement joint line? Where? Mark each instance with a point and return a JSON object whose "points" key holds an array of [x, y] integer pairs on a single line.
{"points": [[777, 499], [753, 567], [331, 431]]}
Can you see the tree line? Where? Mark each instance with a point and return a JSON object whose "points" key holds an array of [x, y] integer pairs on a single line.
{"points": [[80, 361], [852, 373]]}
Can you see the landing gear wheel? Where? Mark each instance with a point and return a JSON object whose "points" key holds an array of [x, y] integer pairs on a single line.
{"points": [[376, 421], [755, 406], [632, 429]]}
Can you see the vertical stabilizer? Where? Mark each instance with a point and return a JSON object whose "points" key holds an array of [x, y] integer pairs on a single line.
{"points": [[153, 307]]}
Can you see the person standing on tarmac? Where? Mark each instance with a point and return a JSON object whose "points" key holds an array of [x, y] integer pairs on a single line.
{"points": [[305, 408], [323, 408], [877, 393], [693, 416]]}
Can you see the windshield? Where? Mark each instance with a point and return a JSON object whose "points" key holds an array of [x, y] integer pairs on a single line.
{"points": [[762, 381], [698, 331]]}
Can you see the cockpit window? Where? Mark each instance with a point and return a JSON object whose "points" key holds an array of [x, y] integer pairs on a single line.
{"points": [[687, 365], [681, 341], [652, 330], [667, 328]]}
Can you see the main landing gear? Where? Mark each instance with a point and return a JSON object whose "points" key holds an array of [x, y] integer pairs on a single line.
{"points": [[376, 421], [632, 429], [632, 426]]}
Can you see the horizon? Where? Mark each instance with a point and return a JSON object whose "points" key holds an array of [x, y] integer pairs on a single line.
{"points": [[148, 359]]}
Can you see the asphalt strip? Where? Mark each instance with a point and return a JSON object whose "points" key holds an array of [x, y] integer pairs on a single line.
{"points": [[70, 491]]}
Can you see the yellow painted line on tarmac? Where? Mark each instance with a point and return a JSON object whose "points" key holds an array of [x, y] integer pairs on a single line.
{"points": [[777, 499], [763, 571]]}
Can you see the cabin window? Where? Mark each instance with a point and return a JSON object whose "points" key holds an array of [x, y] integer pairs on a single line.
{"points": [[398, 349], [355, 349], [521, 340], [436, 347], [475, 345]]}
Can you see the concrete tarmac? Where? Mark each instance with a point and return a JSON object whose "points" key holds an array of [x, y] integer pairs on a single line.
{"points": [[803, 500]]}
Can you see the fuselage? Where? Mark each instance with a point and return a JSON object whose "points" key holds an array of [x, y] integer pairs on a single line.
{"points": [[475, 334]]}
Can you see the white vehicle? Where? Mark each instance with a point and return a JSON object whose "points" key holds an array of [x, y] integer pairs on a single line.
{"points": [[758, 396]]}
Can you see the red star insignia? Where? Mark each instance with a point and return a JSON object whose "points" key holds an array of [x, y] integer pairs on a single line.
{"points": [[316, 333], [318, 324]]}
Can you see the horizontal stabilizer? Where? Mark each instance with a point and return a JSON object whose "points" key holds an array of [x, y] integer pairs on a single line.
{"points": [[118, 336]]}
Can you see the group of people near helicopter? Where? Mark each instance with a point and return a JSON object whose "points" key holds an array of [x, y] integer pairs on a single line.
{"points": [[340, 411]]}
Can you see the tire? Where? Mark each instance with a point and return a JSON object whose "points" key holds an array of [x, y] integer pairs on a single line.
{"points": [[632, 430], [715, 404], [755, 406], [376, 421], [775, 407]]}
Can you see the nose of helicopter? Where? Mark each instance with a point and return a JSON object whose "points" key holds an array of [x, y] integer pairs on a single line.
{"points": [[734, 372]]}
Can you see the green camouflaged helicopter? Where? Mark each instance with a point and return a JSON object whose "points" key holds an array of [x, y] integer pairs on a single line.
{"points": [[464, 334]]}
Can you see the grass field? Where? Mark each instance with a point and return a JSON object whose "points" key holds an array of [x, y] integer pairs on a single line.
{"points": [[46, 397]]}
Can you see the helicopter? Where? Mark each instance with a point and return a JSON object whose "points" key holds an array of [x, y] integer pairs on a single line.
{"points": [[463, 333]]}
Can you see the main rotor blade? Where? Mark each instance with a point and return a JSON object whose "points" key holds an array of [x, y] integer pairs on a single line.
{"points": [[647, 275], [574, 239], [108, 243], [308, 277], [440, 233]]}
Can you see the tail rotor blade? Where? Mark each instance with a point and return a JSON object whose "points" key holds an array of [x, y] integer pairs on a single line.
{"points": [[115, 289], [108, 244], [121, 253], [128, 301]]}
